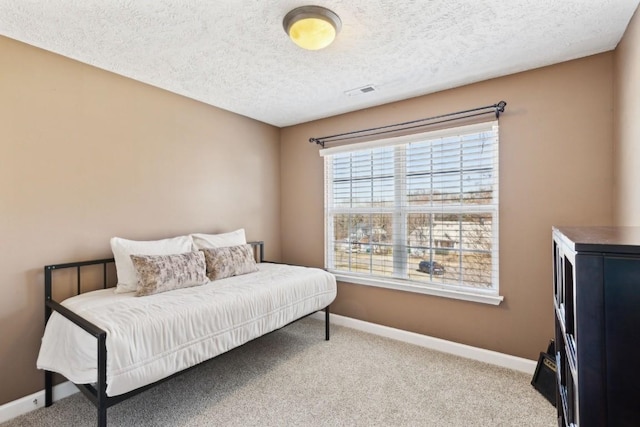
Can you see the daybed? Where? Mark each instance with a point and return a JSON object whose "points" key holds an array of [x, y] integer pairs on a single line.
{"points": [[115, 344]]}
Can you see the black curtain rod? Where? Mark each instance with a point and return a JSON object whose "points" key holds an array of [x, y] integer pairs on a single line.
{"points": [[495, 109]]}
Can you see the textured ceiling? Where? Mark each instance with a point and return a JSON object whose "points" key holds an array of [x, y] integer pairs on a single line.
{"points": [[235, 55]]}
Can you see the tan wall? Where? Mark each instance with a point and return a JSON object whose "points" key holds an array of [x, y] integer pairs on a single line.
{"points": [[86, 155], [555, 168], [627, 126]]}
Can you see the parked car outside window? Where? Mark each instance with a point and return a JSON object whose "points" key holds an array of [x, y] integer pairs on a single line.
{"points": [[432, 267]]}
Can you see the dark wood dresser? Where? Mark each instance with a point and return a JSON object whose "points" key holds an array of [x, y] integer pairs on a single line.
{"points": [[597, 320]]}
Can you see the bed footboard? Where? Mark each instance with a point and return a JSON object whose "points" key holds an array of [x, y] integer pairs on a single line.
{"points": [[98, 394]]}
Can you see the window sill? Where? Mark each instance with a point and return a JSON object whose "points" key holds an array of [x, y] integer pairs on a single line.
{"points": [[484, 298]]}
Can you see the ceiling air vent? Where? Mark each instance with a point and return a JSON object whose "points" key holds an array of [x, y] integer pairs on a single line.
{"points": [[361, 90]]}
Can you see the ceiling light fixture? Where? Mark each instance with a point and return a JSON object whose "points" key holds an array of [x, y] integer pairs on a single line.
{"points": [[312, 27]]}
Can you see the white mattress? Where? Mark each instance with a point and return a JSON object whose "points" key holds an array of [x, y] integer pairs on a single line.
{"points": [[152, 337]]}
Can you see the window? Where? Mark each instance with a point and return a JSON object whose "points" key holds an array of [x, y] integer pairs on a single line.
{"points": [[417, 212]]}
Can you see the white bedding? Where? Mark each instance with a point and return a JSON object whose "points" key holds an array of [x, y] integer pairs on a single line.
{"points": [[152, 337]]}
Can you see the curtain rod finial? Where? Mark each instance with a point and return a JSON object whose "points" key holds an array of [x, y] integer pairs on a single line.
{"points": [[500, 108], [317, 141]]}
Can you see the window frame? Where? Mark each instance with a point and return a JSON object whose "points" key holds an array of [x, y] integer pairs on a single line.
{"points": [[399, 280]]}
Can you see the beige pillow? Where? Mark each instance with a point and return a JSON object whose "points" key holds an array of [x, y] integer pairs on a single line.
{"points": [[162, 273], [229, 261]]}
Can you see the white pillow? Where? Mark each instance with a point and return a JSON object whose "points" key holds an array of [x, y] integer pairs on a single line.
{"points": [[224, 240], [122, 250]]}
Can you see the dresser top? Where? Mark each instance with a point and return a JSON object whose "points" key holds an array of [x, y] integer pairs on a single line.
{"points": [[625, 240]]}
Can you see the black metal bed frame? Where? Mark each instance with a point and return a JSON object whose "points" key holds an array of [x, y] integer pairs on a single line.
{"points": [[98, 394]]}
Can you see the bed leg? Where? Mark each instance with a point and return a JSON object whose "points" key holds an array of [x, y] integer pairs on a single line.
{"points": [[326, 323], [48, 388], [102, 417], [102, 380]]}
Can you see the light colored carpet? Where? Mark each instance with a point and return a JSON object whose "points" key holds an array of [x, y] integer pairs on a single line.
{"points": [[293, 377]]}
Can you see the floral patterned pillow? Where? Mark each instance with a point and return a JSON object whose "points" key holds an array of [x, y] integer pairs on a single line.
{"points": [[229, 261], [162, 273]]}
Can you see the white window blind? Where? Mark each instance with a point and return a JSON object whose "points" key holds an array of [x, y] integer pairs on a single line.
{"points": [[418, 212]]}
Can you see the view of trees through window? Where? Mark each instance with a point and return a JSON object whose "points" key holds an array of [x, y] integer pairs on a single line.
{"points": [[425, 211]]}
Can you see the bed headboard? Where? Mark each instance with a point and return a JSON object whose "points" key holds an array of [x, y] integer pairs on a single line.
{"points": [[258, 249]]}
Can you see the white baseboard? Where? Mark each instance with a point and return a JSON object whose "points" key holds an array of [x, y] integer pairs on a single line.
{"points": [[34, 401], [493, 357]]}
